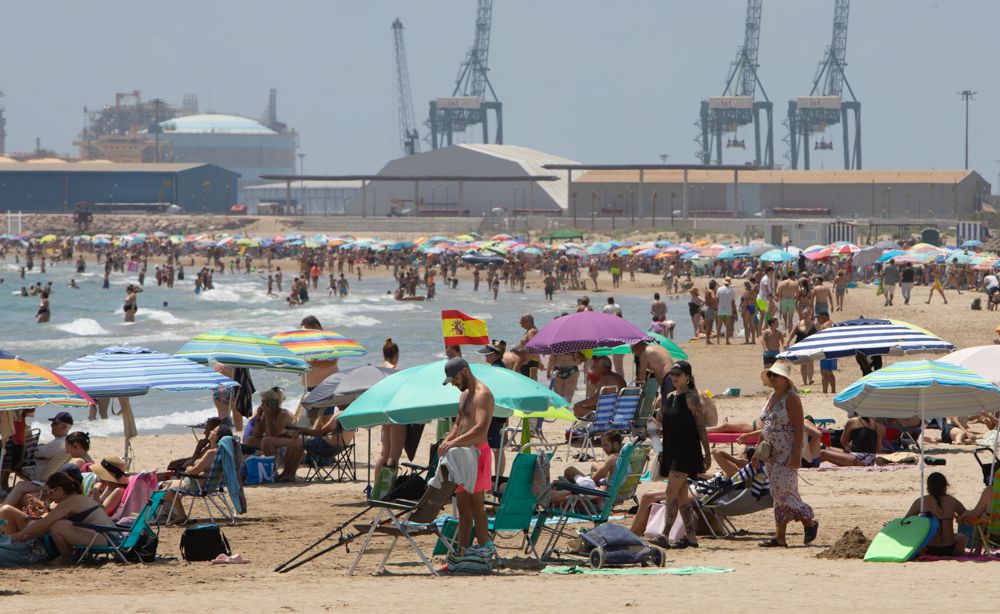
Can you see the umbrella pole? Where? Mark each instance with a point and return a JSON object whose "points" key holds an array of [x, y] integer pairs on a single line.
{"points": [[368, 487], [923, 426]]}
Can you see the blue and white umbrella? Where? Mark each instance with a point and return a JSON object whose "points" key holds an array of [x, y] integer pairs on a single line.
{"points": [[128, 371], [872, 337], [920, 388], [776, 255]]}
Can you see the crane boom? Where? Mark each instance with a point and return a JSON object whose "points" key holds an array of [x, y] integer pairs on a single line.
{"points": [[472, 80], [837, 53], [751, 45], [409, 138]]}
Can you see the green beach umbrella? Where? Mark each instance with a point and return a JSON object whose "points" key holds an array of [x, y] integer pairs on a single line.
{"points": [[416, 395], [675, 350]]}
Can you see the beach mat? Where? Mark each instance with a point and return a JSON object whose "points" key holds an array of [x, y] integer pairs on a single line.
{"points": [[569, 570], [981, 558], [901, 539]]}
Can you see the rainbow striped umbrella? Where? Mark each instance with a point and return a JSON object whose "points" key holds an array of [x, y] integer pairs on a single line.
{"points": [[319, 344], [24, 385], [239, 348]]}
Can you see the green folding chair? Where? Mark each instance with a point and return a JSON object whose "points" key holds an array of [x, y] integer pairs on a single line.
{"points": [[144, 530], [582, 504]]}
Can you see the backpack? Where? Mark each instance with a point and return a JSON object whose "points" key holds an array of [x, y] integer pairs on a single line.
{"points": [[977, 304], [203, 543]]}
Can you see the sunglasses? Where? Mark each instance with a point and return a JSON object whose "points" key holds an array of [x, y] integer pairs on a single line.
{"points": [[772, 375]]}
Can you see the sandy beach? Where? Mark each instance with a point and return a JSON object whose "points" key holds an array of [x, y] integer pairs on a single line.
{"points": [[284, 518]]}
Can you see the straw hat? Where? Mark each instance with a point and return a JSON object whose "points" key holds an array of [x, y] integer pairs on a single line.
{"points": [[110, 469], [782, 368]]}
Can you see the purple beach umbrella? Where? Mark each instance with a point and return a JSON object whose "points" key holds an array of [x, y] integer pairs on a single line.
{"points": [[585, 330]]}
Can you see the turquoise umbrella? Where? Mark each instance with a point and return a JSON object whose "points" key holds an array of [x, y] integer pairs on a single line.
{"points": [[675, 350], [416, 395], [776, 255], [920, 388]]}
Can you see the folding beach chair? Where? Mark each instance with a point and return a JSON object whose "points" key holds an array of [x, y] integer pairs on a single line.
{"points": [[336, 465], [646, 407], [13, 462], [987, 530], [140, 538], [222, 475], [717, 509], [626, 408], [582, 432], [407, 521], [515, 512], [582, 504]]}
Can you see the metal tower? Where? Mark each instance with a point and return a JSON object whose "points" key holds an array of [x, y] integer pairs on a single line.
{"points": [[409, 138], [737, 106], [468, 104], [825, 106]]}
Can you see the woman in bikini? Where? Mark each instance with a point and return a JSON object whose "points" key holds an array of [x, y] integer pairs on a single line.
{"points": [[939, 504], [748, 308], [131, 303], [393, 436], [566, 368], [223, 399]]}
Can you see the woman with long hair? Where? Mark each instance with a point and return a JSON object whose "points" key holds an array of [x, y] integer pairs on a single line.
{"points": [[393, 436]]}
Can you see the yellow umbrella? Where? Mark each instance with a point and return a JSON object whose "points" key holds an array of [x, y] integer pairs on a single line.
{"points": [[49, 239]]}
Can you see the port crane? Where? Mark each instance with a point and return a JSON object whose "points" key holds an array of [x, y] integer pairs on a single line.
{"points": [[408, 136]]}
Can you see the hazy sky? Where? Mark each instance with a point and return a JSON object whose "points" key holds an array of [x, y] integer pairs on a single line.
{"points": [[595, 81]]}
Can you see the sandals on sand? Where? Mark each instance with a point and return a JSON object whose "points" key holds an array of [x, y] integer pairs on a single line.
{"points": [[811, 532], [770, 542]]}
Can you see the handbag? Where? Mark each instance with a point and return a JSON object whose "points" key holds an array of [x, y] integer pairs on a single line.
{"points": [[204, 543], [764, 450]]}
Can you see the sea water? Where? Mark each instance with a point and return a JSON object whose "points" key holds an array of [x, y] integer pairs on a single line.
{"points": [[90, 318]]}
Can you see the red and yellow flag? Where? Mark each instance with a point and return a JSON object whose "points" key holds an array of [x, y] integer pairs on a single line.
{"points": [[460, 329]]}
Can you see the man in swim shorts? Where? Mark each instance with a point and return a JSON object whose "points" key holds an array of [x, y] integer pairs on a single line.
{"points": [[786, 292], [475, 411], [771, 340]]}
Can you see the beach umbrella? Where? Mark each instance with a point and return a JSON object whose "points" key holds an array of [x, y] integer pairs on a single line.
{"points": [[821, 254], [981, 359], [728, 254], [866, 256], [919, 388], [598, 248], [342, 387], [776, 255], [48, 239], [844, 248], [886, 244], [24, 385], [585, 330], [872, 337], [416, 395], [6, 355], [239, 348], [319, 344], [971, 243], [127, 371], [672, 348]]}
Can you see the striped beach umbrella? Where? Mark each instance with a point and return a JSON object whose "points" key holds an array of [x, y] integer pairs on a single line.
{"points": [[24, 385], [239, 348], [872, 337], [128, 371], [319, 344], [920, 388]]}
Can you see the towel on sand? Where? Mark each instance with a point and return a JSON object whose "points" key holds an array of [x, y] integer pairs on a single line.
{"points": [[567, 570]]}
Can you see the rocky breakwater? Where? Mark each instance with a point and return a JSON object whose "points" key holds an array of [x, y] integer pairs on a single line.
{"points": [[117, 224]]}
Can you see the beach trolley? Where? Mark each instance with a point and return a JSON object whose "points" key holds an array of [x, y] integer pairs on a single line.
{"points": [[612, 545]]}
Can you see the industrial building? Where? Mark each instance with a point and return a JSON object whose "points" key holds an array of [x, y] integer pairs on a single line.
{"points": [[474, 198], [58, 187], [301, 197], [867, 194], [240, 144]]}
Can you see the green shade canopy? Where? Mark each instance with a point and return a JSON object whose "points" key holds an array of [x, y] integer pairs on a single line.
{"points": [[564, 234], [416, 395], [675, 350]]}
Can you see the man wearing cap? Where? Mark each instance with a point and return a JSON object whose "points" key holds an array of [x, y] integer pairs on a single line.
{"points": [[727, 309], [475, 410], [60, 425]]}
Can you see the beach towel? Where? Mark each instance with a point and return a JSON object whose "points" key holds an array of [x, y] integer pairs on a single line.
{"points": [[227, 448], [140, 486], [568, 570], [541, 482], [243, 399], [927, 558], [462, 464], [21, 554]]}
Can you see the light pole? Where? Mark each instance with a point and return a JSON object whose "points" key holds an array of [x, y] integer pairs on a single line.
{"points": [[672, 208], [593, 211], [967, 95], [655, 195], [614, 207]]}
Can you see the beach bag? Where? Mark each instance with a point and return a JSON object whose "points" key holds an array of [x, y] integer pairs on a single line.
{"points": [[977, 304], [764, 450], [144, 550], [259, 470], [203, 543], [384, 482], [409, 487]]}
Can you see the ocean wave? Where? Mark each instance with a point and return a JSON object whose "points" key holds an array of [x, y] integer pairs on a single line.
{"points": [[86, 327], [225, 294], [164, 317], [149, 424]]}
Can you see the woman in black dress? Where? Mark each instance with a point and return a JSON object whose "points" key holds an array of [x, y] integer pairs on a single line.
{"points": [[685, 450]]}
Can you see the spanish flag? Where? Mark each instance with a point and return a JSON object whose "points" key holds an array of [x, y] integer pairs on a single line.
{"points": [[460, 329]]}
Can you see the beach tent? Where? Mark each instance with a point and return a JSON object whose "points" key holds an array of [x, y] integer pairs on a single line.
{"points": [[563, 234]]}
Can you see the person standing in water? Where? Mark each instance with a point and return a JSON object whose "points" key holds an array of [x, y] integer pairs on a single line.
{"points": [[43, 314], [131, 303]]}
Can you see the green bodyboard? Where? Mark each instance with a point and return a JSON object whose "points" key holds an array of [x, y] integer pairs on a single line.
{"points": [[901, 540]]}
